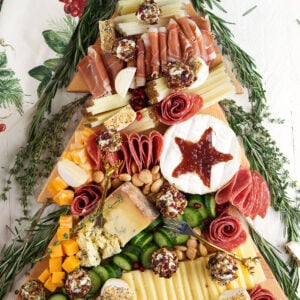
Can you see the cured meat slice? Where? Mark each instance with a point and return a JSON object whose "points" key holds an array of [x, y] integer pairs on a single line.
{"points": [[157, 141], [162, 39], [85, 199], [259, 293], [226, 232], [199, 39], [94, 152], [223, 195], [209, 44], [183, 21], [174, 52], [112, 64], [94, 51], [265, 199], [146, 151], [202, 22], [186, 46], [154, 44], [178, 107], [140, 76], [134, 147], [145, 38]]}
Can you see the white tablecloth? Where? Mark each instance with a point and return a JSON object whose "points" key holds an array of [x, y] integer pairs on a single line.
{"points": [[270, 34]]}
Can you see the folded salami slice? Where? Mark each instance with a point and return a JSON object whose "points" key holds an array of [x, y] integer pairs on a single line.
{"points": [[258, 293], [226, 232], [178, 107], [94, 152], [157, 141], [86, 199]]}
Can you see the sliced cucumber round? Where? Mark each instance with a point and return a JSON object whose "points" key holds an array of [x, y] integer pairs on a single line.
{"points": [[96, 283], [58, 297], [113, 270], [133, 252], [193, 217], [197, 201], [181, 238], [146, 256], [210, 205], [123, 261], [141, 239], [102, 272], [162, 237], [154, 224]]}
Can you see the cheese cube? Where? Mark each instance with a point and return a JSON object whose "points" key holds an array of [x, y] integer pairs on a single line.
{"points": [[44, 275], [55, 264], [71, 263], [127, 212]]}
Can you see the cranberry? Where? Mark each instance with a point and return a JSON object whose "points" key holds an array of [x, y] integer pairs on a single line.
{"points": [[142, 269], [68, 8], [197, 205], [138, 116], [136, 265], [2, 127]]}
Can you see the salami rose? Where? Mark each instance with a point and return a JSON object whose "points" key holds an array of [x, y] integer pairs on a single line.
{"points": [[85, 199], [226, 232], [258, 293], [178, 107]]}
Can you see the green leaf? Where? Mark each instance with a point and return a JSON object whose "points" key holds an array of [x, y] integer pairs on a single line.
{"points": [[52, 63], [3, 59], [56, 40], [6, 73], [40, 72], [42, 85]]}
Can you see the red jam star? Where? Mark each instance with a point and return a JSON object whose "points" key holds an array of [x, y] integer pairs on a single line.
{"points": [[199, 157]]}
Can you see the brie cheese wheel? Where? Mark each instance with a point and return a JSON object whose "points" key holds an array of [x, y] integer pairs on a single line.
{"points": [[224, 140]]}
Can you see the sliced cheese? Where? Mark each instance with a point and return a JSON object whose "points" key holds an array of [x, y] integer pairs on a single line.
{"points": [[235, 294], [124, 80], [126, 212], [223, 139], [71, 173]]}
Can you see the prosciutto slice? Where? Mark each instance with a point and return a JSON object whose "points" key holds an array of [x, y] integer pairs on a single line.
{"points": [[226, 232], [154, 45], [162, 39], [259, 293], [174, 52], [146, 40], [85, 199], [140, 76], [248, 192], [178, 107], [209, 44], [186, 46]]}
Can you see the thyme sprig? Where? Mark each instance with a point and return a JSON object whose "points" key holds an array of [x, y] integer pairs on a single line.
{"points": [[36, 159], [84, 35], [265, 157], [243, 65], [27, 246], [286, 277]]}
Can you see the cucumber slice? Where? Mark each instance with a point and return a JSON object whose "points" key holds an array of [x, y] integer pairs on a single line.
{"points": [[123, 261], [181, 238], [170, 234], [141, 239], [133, 252], [197, 201], [154, 224], [210, 205], [113, 270], [103, 272], [58, 297], [162, 239], [193, 217], [96, 283], [146, 256]]}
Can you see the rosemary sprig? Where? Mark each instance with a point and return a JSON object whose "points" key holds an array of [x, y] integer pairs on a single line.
{"points": [[37, 158], [243, 65], [84, 35], [266, 157], [23, 250], [287, 279], [248, 11]]}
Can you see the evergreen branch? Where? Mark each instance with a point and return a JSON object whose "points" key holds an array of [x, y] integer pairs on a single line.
{"points": [[22, 250], [37, 158], [84, 35], [244, 65], [287, 278]]}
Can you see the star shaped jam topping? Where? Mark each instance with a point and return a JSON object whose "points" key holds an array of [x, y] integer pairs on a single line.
{"points": [[199, 157]]}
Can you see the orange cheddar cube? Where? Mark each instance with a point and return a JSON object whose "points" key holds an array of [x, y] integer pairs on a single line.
{"points": [[71, 263], [57, 184], [64, 197], [58, 278], [56, 250], [66, 221], [55, 264], [66, 155], [63, 233], [79, 156], [81, 136], [49, 285], [44, 275], [70, 247]]}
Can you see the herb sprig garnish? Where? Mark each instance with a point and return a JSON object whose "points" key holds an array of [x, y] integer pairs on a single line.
{"points": [[37, 158], [287, 279], [243, 65], [265, 157], [84, 35], [27, 246]]}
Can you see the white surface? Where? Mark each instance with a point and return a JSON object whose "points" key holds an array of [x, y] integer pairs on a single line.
{"points": [[270, 34]]}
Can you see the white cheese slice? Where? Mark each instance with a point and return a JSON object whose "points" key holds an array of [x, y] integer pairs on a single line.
{"points": [[124, 80], [71, 173], [223, 139]]}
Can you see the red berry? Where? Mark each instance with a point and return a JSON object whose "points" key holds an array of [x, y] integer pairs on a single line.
{"points": [[142, 269], [138, 116], [197, 205], [68, 8], [2, 127], [136, 265]]}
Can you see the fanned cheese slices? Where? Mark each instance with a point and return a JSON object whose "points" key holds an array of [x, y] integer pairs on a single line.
{"points": [[223, 140]]}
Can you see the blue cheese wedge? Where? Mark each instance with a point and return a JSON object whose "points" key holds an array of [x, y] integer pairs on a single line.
{"points": [[127, 212]]}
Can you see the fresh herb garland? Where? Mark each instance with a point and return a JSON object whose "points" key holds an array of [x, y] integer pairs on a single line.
{"points": [[245, 70]]}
